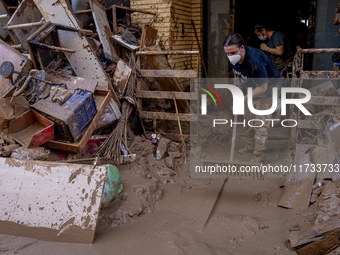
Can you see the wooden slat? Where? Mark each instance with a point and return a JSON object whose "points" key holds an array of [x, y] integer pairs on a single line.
{"points": [[166, 95], [167, 53], [169, 73], [168, 116], [328, 50]]}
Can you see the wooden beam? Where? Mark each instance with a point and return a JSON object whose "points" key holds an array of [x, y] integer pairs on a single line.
{"points": [[54, 48], [177, 52], [26, 25], [317, 239], [82, 12], [166, 95], [169, 73], [168, 116], [326, 50]]}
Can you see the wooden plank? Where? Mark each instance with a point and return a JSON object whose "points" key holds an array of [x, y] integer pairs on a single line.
{"points": [[26, 12], [167, 53], [326, 50], [168, 116], [169, 73], [121, 77], [103, 29], [50, 201], [166, 95], [149, 37], [319, 232]]}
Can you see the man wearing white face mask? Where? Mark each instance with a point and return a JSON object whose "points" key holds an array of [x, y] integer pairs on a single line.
{"points": [[278, 46], [256, 70]]}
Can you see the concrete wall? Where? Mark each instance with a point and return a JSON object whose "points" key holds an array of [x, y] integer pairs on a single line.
{"points": [[218, 20], [170, 14]]}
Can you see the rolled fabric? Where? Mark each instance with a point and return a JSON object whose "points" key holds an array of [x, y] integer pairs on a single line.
{"points": [[6, 151]]}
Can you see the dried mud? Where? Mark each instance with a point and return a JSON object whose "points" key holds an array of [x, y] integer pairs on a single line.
{"points": [[153, 214]]}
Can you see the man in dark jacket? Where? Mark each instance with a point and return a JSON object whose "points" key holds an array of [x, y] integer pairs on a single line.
{"points": [[255, 70]]}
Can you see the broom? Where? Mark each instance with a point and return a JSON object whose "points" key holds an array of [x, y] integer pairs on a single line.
{"points": [[110, 149]]}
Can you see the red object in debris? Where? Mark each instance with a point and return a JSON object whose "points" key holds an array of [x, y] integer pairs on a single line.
{"points": [[31, 129], [63, 154], [94, 142]]}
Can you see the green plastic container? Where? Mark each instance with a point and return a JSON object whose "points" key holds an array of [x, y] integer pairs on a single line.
{"points": [[113, 185]]}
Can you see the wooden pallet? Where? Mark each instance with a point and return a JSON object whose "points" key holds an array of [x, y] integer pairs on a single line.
{"points": [[173, 95]]}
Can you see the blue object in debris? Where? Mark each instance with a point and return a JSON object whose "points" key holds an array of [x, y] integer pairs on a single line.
{"points": [[81, 103]]}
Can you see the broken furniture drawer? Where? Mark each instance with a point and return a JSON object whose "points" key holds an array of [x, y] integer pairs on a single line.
{"points": [[31, 129], [102, 99]]}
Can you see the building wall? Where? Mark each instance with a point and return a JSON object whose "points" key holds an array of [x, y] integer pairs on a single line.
{"points": [[326, 34], [170, 15]]}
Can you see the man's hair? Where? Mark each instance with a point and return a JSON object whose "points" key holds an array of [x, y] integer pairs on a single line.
{"points": [[265, 25], [258, 27], [233, 39]]}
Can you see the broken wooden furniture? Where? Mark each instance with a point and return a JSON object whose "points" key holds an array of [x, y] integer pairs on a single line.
{"points": [[319, 239], [20, 62], [121, 77], [298, 75], [119, 12], [84, 61], [103, 29], [31, 207], [102, 99], [45, 48], [149, 37], [171, 95], [25, 20]]}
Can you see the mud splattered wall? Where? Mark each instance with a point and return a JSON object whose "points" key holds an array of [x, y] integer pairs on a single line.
{"points": [[170, 15]]}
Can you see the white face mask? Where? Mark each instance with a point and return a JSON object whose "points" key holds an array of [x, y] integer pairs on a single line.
{"points": [[262, 38], [235, 58]]}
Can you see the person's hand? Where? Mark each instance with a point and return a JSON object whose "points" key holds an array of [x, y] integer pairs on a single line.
{"points": [[264, 47]]}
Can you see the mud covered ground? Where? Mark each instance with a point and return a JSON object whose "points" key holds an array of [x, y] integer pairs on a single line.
{"points": [[153, 215]]}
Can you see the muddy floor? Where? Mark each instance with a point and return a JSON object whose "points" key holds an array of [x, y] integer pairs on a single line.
{"points": [[154, 215]]}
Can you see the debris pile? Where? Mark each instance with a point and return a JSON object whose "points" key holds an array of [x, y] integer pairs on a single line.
{"points": [[72, 85]]}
